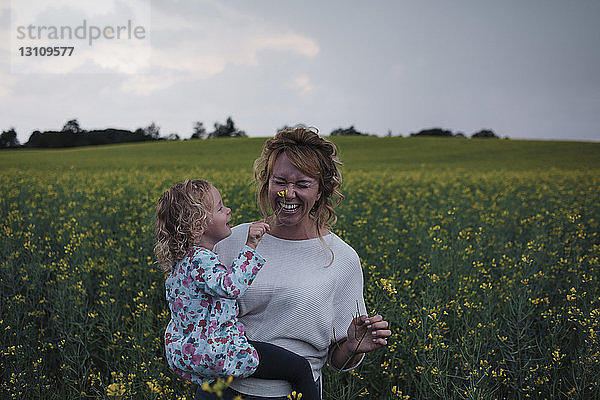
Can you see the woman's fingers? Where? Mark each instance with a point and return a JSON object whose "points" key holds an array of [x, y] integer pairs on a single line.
{"points": [[382, 333], [379, 325], [376, 321], [378, 328]]}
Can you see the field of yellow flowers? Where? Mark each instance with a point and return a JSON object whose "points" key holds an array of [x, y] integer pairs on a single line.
{"points": [[483, 255]]}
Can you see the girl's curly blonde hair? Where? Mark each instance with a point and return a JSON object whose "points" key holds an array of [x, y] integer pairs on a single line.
{"points": [[314, 156], [181, 213]]}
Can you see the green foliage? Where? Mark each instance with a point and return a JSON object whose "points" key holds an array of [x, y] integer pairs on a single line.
{"points": [[483, 255], [72, 135], [9, 139], [484, 134], [436, 132], [152, 131], [347, 132], [72, 126], [226, 130], [199, 131]]}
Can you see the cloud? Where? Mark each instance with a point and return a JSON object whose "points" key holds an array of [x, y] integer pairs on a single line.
{"points": [[191, 41], [128, 58], [170, 19], [6, 83], [219, 37], [208, 57], [286, 42], [190, 59], [4, 26], [146, 84], [29, 11], [302, 83]]}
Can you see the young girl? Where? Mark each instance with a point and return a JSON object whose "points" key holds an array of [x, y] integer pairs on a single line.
{"points": [[204, 340]]}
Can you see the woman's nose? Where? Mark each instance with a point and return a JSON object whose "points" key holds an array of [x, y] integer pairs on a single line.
{"points": [[290, 191]]}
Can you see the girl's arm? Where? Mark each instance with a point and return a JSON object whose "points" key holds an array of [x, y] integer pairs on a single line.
{"points": [[222, 281]]}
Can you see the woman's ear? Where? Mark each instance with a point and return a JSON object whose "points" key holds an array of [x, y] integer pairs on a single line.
{"points": [[317, 200]]}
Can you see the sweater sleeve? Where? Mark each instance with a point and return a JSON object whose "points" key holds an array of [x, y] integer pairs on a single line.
{"points": [[349, 303], [229, 282]]}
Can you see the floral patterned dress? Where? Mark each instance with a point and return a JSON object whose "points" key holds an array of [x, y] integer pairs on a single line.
{"points": [[204, 340]]}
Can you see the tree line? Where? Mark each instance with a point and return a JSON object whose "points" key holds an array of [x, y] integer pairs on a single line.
{"points": [[72, 135], [439, 132]]}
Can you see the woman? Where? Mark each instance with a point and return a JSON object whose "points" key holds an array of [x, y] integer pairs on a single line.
{"points": [[309, 294]]}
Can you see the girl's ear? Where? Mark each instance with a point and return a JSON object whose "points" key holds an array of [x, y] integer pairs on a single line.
{"points": [[197, 232], [197, 236]]}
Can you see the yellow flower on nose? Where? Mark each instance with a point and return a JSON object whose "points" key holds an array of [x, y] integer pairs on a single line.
{"points": [[282, 194]]}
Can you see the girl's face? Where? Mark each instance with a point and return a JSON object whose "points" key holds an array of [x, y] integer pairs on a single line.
{"points": [[217, 227], [302, 194]]}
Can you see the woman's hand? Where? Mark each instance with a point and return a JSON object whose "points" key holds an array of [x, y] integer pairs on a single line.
{"points": [[366, 334]]}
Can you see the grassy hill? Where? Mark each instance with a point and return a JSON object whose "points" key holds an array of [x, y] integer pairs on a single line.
{"points": [[357, 153]]}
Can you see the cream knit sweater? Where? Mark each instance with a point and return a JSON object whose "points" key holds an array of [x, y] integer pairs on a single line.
{"points": [[297, 301]]}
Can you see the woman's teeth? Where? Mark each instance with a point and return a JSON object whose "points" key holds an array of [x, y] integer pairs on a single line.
{"points": [[290, 207]]}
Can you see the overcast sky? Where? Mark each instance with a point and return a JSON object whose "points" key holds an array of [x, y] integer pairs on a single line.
{"points": [[523, 68]]}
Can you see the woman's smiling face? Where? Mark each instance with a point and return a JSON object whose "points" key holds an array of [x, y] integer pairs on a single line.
{"points": [[302, 194]]}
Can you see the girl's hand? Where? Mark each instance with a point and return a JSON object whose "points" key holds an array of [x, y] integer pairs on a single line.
{"points": [[256, 232], [366, 334]]}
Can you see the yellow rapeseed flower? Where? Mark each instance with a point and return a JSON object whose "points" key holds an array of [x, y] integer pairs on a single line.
{"points": [[115, 390], [294, 395]]}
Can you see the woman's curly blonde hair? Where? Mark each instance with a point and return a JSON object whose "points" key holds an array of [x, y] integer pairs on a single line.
{"points": [[181, 213], [315, 157]]}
